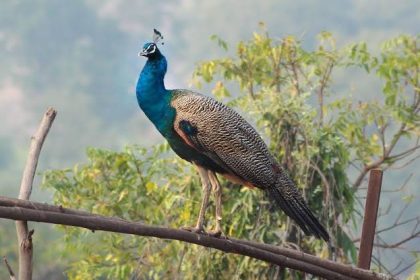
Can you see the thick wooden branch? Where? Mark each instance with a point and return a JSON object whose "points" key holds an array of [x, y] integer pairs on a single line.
{"points": [[370, 217], [23, 234], [38, 212]]}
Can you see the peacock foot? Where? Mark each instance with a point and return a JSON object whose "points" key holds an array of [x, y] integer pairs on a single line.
{"points": [[215, 233], [195, 229]]}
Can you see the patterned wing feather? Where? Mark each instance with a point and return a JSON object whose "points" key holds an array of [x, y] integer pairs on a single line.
{"points": [[223, 135]]}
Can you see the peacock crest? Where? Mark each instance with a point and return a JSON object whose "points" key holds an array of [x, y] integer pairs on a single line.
{"points": [[157, 36]]}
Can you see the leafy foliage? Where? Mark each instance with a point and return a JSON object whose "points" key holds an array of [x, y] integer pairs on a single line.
{"points": [[316, 134], [158, 189]]}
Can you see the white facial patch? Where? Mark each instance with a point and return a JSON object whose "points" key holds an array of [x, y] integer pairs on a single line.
{"points": [[151, 49]]}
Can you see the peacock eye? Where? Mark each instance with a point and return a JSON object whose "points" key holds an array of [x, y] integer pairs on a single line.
{"points": [[151, 48]]}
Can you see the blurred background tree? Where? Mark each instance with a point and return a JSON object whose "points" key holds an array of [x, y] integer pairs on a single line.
{"points": [[328, 142], [81, 58]]}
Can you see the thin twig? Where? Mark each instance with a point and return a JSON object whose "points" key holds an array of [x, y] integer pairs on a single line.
{"points": [[386, 212], [402, 187], [24, 236], [9, 268], [402, 212], [405, 153], [397, 224], [408, 162], [379, 162], [397, 244], [405, 268]]}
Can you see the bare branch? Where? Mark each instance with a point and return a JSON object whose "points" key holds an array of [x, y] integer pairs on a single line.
{"points": [[25, 236], [399, 243], [397, 224], [405, 268], [380, 265], [279, 256], [361, 177], [381, 131], [9, 268], [391, 227], [394, 141], [402, 212], [405, 153], [386, 155], [397, 266], [34, 151], [386, 212], [402, 187], [410, 161]]}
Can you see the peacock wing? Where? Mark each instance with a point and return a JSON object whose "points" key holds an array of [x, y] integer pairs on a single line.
{"points": [[223, 135]]}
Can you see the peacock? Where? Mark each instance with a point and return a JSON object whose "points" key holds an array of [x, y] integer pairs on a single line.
{"points": [[217, 140]]}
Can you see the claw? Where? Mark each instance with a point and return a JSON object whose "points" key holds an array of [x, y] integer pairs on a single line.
{"points": [[215, 233], [194, 229]]}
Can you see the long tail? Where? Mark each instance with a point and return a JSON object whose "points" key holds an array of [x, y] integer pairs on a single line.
{"points": [[290, 200]]}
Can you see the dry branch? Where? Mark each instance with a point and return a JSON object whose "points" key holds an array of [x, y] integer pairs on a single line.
{"points": [[9, 269], [386, 155], [399, 243], [16, 209], [25, 236]]}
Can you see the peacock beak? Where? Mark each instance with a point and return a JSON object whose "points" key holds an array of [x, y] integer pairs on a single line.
{"points": [[142, 53]]}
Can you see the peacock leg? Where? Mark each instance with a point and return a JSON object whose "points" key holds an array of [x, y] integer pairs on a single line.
{"points": [[218, 198], [205, 181]]}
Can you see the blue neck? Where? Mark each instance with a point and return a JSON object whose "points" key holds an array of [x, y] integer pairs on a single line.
{"points": [[152, 96], [152, 75]]}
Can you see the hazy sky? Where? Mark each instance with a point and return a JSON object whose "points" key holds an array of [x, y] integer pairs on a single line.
{"points": [[81, 58]]}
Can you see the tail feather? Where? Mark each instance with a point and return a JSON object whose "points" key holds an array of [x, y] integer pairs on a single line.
{"points": [[289, 199]]}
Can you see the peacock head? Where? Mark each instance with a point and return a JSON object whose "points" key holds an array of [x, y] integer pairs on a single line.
{"points": [[150, 50]]}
